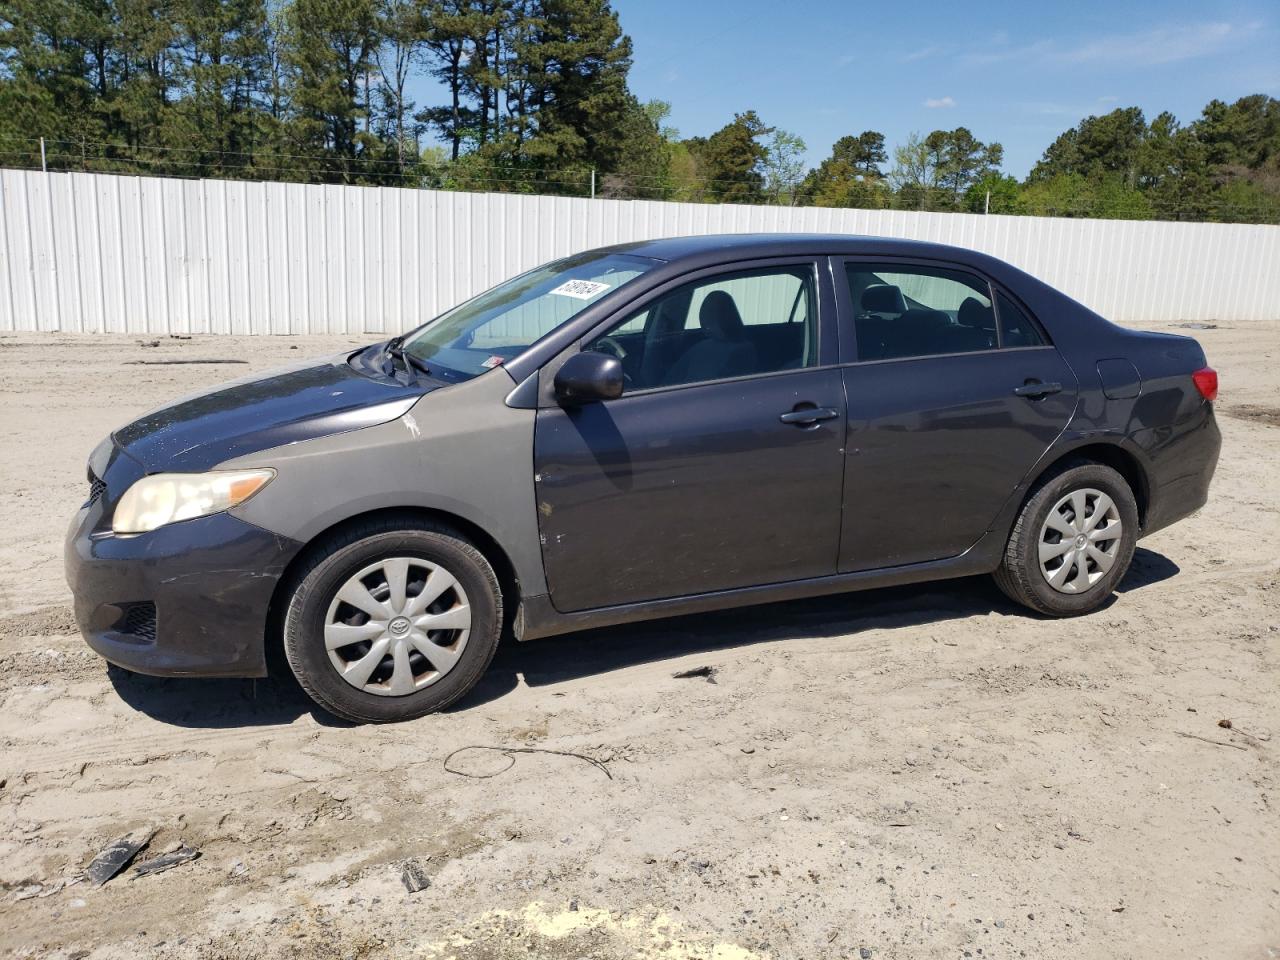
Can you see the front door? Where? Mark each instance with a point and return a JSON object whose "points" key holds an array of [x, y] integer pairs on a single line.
{"points": [[955, 395], [721, 464]]}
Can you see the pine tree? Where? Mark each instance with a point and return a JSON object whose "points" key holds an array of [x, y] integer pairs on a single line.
{"points": [[730, 160], [328, 48], [223, 70]]}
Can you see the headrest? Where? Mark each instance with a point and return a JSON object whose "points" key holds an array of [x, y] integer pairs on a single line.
{"points": [[883, 298], [973, 314], [719, 316]]}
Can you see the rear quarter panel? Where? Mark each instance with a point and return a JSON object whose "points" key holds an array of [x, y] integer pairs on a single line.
{"points": [[1164, 422]]}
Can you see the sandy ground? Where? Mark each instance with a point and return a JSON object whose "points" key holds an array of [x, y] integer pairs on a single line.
{"points": [[917, 772]]}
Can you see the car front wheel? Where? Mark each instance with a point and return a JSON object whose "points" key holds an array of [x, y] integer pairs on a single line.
{"points": [[392, 620], [1072, 543]]}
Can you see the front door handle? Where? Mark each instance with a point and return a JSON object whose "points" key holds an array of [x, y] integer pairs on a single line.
{"points": [[1034, 389], [807, 416]]}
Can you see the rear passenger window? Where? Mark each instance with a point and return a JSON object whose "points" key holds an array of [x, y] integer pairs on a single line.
{"points": [[919, 311], [1016, 328]]}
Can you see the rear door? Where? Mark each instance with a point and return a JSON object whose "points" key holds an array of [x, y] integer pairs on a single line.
{"points": [[954, 394], [720, 465]]}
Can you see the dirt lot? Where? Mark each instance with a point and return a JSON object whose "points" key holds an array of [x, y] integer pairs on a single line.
{"points": [[917, 772]]}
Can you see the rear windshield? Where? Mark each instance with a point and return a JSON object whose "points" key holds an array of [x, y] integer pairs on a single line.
{"points": [[501, 323]]}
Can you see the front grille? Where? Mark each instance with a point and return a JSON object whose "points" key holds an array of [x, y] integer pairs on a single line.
{"points": [[138, 622], [97, 487]]}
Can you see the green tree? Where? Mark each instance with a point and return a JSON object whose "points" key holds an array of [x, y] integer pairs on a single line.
{"points": [[783, 165], [643, 168], [994, 192], [1109, 144], [221, 67], [1173, 170], [402, 30], [450, 28], [961, 159], [569, 67], [1250, 196], [916, 170], [54, 55], [864, 153], [730, 161], [851, 176], [1245, 133], [1108, 196], [328, 51]]}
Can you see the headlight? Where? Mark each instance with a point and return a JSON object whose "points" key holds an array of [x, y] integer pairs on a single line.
{"points": [[167, 497]]}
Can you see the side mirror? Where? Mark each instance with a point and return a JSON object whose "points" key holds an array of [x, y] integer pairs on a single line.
{"points": [[589, 376]]}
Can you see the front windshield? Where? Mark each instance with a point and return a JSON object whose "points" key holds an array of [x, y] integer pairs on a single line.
{"points": [[501, 323]]}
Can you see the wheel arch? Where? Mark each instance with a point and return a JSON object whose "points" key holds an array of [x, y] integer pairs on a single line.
{"points": [[1109, 454], [481, 539]]}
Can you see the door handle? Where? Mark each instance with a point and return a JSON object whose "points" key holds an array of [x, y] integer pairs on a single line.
{"points": [[807, 416], [1034, 389]]}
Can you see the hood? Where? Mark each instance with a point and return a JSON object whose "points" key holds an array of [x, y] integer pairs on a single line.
{"points": [[310, 400]]}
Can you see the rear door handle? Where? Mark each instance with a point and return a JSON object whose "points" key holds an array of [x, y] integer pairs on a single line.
{"points": [[1034, 389], [809, 415]]}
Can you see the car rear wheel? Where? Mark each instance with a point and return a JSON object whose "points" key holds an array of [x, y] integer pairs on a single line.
{"points": [[1072, 543], [392, 620]]}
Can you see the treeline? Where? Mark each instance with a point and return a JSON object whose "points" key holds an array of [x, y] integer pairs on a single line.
{"points": [[533, 97]]}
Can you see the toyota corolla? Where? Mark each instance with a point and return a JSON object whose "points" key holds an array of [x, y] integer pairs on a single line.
{"points": [[646, 430]]}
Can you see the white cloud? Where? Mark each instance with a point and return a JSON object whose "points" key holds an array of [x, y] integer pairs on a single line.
{"points": [[1169, 43], [933, 103], [922, 53], [1001, 52], [1050, 108]]}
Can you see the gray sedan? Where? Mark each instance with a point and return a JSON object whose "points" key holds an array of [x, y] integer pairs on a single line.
{"points": [[646, 430]]}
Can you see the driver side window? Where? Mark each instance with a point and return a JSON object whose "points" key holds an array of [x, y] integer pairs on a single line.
{"points": [[731, 325]]}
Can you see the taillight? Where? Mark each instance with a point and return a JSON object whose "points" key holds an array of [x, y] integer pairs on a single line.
{"points": [[1206, 381]]}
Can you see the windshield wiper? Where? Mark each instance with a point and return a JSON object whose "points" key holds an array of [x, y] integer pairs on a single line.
{"points": [[396, 351]]}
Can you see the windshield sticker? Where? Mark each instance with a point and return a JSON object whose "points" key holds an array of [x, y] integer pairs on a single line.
{"points": [[580, 289], [492, 362]]}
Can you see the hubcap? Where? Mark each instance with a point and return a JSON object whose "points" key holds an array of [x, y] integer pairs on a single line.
{"points": [[1080, 540], [397, 626]]}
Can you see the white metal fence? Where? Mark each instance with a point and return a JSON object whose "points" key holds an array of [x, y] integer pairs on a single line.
{"points": [[94, 252]]}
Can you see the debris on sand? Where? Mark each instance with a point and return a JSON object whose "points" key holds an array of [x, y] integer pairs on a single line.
{"points": [[169, 363], [166, 861], [1197, 325], [116, 856], [414, 876], [509, 753], [709, 673]]}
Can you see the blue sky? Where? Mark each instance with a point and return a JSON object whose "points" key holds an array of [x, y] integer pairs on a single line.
{"points": [[1016, 73]]}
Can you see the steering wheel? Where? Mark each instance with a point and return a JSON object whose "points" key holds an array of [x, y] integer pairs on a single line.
{"points": [[610, 346]]}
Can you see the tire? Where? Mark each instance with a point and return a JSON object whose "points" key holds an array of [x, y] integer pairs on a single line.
{"points": [[432, 650], [1048, 517]]}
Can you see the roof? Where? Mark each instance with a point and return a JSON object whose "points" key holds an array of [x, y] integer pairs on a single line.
{"points": [[783, 244]]}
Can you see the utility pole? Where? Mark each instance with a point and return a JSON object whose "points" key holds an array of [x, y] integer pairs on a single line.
{"points": [[593, 183], [986, 206], [44, 167]]}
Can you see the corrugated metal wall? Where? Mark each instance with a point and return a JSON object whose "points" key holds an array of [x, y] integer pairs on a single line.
{"points": [[94, 252]]}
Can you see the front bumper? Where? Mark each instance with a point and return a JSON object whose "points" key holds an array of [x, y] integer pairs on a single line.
{"points": [[188, 599]]}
